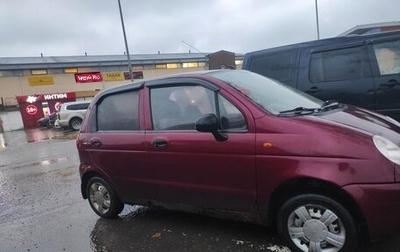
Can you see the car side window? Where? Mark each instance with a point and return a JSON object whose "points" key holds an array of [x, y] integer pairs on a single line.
{"points": [[231, 117], [118, 112], [388, 57], [278, 66], [336, 65], [80, 106], [179, 107]]}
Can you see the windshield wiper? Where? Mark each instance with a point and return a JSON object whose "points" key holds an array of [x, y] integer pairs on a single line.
{"points": [[300, 111], [326, 106], [330, 104]]}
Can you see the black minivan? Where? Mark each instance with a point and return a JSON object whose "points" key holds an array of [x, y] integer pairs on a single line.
{"points": [[362, 70]]}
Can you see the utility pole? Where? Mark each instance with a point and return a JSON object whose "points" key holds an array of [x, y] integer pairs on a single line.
{"points": [[316, 14], [126, 41]]}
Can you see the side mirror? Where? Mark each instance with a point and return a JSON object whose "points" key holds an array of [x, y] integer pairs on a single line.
{"points": [[210, 123]]}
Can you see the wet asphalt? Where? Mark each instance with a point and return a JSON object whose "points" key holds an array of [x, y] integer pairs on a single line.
{"points": [[41, 209]]}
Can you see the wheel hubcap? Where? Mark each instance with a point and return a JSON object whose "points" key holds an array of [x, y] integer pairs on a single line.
{"points": [[316, 228], [315, 231], [99, 198]]}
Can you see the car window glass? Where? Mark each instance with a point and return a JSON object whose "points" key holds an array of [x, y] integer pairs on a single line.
{"points": [[277, 66], [335, 65], [231, 117], [178, 108], [388, 57], [80, 106], [118, 112]]}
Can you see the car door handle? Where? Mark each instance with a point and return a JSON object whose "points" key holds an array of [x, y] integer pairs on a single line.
{"points": [[159, 143], [95, 142], [313, 90], [390, 83]]}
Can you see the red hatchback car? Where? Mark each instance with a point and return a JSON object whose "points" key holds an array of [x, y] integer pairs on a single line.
{"points": [[237, 142]]}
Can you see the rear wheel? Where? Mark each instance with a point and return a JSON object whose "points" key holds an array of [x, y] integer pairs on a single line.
{"points": [[103, 199], [313, 222], [75, 123]]}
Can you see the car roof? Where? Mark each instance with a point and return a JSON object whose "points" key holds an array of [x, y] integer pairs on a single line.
{"points": [[328, 41], [137, 85]]}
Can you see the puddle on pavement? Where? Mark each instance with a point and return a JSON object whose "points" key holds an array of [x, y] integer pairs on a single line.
{"points": [[17, 137]]}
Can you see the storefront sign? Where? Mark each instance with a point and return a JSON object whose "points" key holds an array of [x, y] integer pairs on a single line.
{"points": [[88, 77], [40, 80], [46, 97], [136, 75], [55, 96], [114, 76]]}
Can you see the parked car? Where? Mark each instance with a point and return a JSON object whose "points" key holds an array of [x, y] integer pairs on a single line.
{"points": [[48, 121], [237, 142], [361, 70], [70, 114]]}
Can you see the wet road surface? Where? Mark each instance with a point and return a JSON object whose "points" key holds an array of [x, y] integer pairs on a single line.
{"points": [[41, 209]]}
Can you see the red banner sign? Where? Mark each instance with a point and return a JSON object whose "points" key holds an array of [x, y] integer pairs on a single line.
{"points": [[88, 77], [46, 97]]}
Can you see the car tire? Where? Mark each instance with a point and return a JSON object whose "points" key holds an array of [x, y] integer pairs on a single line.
{"points": [[103, 199], [75, 123], [313, 222]]}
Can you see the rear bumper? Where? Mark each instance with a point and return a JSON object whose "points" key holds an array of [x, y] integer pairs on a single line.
{"points": [[380, 205]]}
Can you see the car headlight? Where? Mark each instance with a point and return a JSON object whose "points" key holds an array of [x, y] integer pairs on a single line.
{"points": [[389, 149]]}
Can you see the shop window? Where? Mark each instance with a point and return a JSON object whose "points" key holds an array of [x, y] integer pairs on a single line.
{"points": [[161, 66], [139, 67], [39, 72], [173, 65], [70, 70], [55, 71], [190, 64]]}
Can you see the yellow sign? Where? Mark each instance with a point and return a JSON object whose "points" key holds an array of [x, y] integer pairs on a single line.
{"points": [[113, 76], [41, 80]]}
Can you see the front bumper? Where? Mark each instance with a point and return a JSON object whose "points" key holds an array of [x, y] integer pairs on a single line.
{"points": [[380, 205]]}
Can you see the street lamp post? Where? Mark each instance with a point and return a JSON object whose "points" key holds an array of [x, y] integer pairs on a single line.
{"points": [[126, 41], [316, 14]]}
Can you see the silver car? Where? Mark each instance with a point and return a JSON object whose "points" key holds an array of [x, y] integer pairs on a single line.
{"points": [[70, 114]]}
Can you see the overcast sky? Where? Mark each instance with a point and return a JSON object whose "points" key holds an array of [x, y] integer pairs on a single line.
{"points": [[73, 27]]}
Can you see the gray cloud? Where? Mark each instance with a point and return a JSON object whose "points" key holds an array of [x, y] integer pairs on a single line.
{"points": [[73, 27]]}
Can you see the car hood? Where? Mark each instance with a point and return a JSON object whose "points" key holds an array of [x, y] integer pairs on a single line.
{"points": [[365, 121]]}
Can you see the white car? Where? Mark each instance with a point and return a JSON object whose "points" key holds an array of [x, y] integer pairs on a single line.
{"points": [[70, 114]]}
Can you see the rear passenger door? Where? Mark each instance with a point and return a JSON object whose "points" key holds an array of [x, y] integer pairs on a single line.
{"points": [[116, 142], [338, 73], [385, 63]]}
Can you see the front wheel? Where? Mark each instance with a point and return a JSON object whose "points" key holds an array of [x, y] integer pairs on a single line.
{"points": [[312, 222], [103, 199]]}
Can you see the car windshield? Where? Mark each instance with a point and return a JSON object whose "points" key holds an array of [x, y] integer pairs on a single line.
{"points": [[272, 95]]}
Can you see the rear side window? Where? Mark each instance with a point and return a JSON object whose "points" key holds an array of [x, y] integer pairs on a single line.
{"points": [[388, 57], [275, 66], [80, 106], [335, 65], [118, 112]]}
